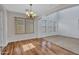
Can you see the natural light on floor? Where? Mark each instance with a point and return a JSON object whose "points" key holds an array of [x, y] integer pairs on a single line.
{"points": [[27, 47]]}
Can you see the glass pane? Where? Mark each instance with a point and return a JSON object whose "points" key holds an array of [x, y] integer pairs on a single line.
{"points": [[20, 25], [29, 26]]}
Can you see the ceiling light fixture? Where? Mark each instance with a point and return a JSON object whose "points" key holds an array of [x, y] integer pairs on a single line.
{"points": [[30, 13]]}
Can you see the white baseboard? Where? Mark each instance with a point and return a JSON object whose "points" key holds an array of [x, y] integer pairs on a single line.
{"points": [[76, 37]]}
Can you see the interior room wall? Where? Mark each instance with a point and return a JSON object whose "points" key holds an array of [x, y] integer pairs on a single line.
{"points": [[12, 36], [64, 22], [69, 22], [3, 26], [37, 32], [47, 25], [1, 29]]}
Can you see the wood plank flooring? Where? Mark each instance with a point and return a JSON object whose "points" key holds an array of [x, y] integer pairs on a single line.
{"points": [[34, 47]]}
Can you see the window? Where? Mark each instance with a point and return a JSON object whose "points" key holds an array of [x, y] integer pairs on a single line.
{"points": [[23, 25]]}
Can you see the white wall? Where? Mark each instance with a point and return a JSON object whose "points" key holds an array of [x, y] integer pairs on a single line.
{"points": [[1, 30], [37, 32], [69, 22], [11, 28], [3, 26], [64, 22], [50, 21]]}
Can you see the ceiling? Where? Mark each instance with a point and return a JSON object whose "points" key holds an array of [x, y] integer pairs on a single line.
{"points": [[40, 9]]}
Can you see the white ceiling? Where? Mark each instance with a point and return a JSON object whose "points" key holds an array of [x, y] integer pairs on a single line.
{"points": [[40, 9]]}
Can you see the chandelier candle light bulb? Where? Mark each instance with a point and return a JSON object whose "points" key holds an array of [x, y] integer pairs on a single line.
{"points": [[30, 14]]}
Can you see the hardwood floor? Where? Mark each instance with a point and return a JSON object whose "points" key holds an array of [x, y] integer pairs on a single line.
{"points": [[34, 47]]}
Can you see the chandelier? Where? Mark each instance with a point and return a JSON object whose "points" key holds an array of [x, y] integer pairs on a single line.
{"points": [[30, 13]]}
